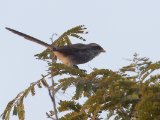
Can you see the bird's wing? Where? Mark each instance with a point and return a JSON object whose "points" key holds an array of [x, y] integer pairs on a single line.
{"points": [[28, 37], [72, 49]]}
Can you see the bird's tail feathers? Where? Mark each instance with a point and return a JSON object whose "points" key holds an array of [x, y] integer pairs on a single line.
{"points": [[28, 37]]}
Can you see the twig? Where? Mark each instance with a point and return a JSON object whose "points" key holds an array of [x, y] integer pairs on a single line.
{"points": [[52, 96], [52, 93], [49, 116]]}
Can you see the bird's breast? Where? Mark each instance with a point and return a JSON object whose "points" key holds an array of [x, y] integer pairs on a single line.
{"points": [[63, 58]]}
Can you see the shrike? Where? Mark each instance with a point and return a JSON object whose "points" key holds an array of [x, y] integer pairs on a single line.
{"points": [[70, 55]]}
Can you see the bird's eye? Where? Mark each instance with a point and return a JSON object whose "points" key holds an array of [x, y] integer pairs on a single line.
{"points": [[98, 47]]}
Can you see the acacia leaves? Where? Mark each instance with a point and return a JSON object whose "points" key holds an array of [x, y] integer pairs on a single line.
{"points": [[120, 94], [130, 93], [17, 104]]}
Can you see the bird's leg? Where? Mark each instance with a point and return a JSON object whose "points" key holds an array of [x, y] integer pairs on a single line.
{"points": [[75, 66]]}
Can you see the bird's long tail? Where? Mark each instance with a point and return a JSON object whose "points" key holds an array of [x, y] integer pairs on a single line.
{"points": [[28, 37]]}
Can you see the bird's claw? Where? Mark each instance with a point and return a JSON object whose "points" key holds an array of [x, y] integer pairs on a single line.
{"points": [[75, 66], [85, 71]]}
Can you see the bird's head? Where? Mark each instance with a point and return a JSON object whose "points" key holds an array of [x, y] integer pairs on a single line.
{"points": [[96, 47]]}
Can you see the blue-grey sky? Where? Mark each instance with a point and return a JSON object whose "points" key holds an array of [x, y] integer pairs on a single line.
{"points": [[122, 27]]}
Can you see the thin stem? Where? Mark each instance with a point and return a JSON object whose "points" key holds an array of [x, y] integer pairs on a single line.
{"points": [[49, 116], [52, 93], [53, 98], [51, 90]]}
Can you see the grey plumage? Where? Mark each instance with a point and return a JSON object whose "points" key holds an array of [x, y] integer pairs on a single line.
{"points": [[70, 54], [81, 53]]}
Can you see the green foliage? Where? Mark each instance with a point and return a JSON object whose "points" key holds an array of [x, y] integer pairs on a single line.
{"points": [[17, 103], [149, 106], [131, 93], [69, 105]]}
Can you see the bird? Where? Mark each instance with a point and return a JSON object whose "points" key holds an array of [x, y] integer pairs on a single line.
{"points": [[70, 55]]}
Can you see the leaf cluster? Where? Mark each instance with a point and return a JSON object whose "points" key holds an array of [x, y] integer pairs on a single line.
{"points": [[133, 92], [17, 104]]}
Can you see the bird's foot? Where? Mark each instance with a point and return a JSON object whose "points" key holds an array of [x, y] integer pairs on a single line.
{"points": [[85, 71], [75, 66]]}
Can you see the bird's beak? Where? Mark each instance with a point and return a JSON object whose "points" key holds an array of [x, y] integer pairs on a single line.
{"points": [[103, 50]]}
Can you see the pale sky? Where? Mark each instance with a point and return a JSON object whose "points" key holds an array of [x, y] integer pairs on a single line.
{"points": [[122, 27]]}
